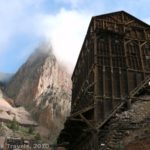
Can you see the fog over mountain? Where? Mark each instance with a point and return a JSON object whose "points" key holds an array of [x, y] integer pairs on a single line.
{"points": [[5, 77]]}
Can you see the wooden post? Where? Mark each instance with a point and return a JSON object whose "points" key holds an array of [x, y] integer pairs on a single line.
{"points": [[96, 75], [97, 110], [127, 64], [111, 66], [141, 57]]}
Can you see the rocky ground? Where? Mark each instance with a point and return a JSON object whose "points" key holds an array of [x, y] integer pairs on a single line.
{"points": [[130, 129], [8, 113]]}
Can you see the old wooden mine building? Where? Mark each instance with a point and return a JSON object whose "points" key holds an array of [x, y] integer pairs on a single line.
{"points": [[113, 65]]}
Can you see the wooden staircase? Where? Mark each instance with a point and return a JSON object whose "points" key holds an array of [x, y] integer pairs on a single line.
{"points": [[142, 85], [133, 93], [136, 90]]}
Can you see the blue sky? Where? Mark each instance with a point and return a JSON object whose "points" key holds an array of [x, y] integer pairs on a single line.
{"points": [[24, 24]]}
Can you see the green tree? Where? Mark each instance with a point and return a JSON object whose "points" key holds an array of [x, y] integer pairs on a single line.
{"points": [[120, 146], [37, 136], [14, 124], [31, 130]]}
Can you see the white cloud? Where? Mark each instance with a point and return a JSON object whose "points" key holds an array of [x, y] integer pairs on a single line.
{"points": [[147, 20], [12, 16], [66, 30], [73, 3]]}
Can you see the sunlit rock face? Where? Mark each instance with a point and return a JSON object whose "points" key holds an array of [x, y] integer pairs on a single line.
{"points": [[8, 112], [43, 86]]}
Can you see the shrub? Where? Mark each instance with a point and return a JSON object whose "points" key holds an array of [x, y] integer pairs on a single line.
{"points": [[14, 124], [31, 130], [37, 136], [120, 147]]}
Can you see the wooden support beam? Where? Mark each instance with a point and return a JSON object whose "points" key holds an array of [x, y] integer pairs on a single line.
{"points": [[95, 141], [87, 122], [141, 57], [127, 63], [81, 120], [107, 97], [83, 84], [83, 111], [122, 16], [110, 115], [129, 103], [120, 82], [77, 141], [137, 99], [75, 119], [141, 45], [104, 80], [140, 86], [96, 80], [129, 22]]}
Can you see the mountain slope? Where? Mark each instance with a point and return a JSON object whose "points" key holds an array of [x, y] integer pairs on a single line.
{"points": [[8, 112], [26, 79], [44, 87]]}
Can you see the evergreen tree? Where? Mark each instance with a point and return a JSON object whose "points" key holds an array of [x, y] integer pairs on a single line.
{"points": [[37, 136], [31, 130], [14, 124]]}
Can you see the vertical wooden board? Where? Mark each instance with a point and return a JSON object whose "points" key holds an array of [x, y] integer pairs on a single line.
{"points": [[99, 111], [100, 60], [131, 80], [124, 84], [108, 89], [116, 83], [91, 81], [146, 57], [106, 61], [115, 103], [147, 74], [100, 80], [102, 46], [88, 143], [139, 77], [107, 107]]}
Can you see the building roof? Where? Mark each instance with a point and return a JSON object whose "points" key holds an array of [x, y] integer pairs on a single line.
{"points": [[122, 12]]}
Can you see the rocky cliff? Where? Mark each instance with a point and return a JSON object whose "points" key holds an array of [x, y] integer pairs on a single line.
{"points": [[44, 87], [8, 112]]}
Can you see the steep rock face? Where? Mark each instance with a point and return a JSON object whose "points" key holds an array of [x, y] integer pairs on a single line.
{"points": [[23, 86], [44, 87], [51, 109], [8, 112]]}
